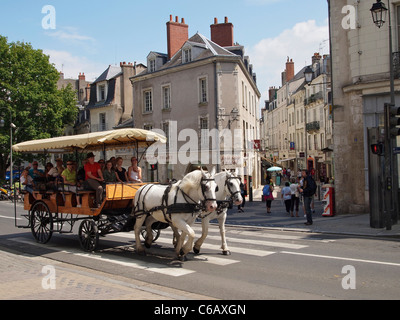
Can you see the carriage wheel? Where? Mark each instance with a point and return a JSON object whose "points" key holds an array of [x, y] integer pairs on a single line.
{"points": [[41, 222], [88, 235], [156, 234]]}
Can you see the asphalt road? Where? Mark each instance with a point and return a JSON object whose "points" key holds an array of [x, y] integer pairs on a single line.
{"points": [[265, 263]]}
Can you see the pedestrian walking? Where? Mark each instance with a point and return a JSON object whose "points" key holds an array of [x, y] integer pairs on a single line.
{"points": [[295, 201], [268, 195], [243, 193], [308, 190], [286, 195]]}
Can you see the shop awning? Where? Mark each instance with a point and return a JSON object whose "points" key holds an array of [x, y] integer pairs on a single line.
{"points": [[284, 160]]}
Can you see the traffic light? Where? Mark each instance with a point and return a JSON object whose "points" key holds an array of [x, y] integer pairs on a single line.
{"points": [[378, 148], [153, 167], [394, 120]]}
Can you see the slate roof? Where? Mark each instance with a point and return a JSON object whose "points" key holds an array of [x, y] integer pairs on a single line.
{"points": [[207, 49], [109, 73]]}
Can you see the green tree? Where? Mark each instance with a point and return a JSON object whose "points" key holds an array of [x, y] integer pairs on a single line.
{"points": [[28, 89]]}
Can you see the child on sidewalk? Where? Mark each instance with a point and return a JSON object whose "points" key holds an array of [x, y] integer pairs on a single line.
{"points": [[286, 195]]}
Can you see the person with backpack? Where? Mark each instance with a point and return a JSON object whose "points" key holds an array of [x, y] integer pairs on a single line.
{"points": [[268, 196], [308, 190]]}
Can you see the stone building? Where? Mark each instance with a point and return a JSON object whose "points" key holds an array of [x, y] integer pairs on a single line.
{"points": [[360, 87], [207, 86]]}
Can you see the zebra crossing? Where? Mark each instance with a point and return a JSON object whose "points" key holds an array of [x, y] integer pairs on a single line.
{"points": [[258, 244]]}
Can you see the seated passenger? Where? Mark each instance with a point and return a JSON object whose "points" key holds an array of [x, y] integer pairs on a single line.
{"points": [[69, 177], [120, 172], [134, 172], [94, 178], [27, 182], [109, 173], [36, 174]]}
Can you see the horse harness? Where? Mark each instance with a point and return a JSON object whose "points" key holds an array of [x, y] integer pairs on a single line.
{"points": [[169, 209], [224, 204]]}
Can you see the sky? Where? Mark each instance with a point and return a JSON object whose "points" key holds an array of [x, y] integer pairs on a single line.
{"points": [[88, 36]]}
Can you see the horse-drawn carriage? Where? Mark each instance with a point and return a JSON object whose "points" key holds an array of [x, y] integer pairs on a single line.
{"points": [[56, 210], [127, 206]]}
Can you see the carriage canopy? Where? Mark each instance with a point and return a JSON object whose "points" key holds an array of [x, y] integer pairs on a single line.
{"points": [[95, 141]]}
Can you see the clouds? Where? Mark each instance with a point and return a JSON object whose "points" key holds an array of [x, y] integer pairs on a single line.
{"points": [[69, 34], [72, 65], [299, 43]]}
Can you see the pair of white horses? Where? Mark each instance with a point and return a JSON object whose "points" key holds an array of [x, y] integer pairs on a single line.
{"points": [[199, 193]]}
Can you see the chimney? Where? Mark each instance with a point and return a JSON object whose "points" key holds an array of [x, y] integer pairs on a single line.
{"points": [[177, 35], [61, 75], [82, 76], [289, 70], [222, 33], [316, 58]]}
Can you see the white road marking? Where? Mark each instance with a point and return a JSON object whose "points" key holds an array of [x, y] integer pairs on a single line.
{"points": [[127, 262], [342, 258]]}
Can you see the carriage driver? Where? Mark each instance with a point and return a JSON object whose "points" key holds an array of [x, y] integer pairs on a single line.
{"points": [[94, 178]]}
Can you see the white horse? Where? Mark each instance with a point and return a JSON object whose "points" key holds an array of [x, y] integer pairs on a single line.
{"points": [[228, 189], [178, 204]]}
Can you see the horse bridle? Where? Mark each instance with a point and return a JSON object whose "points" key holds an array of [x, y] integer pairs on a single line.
{"points": [[203, 189], [229, 189]]}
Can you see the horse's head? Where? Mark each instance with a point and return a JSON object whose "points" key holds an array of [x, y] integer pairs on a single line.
{"points": [[208, 190], [232, 187]]}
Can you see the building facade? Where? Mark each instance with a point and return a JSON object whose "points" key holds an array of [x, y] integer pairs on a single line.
{"points": [[203, 95], [360, 87], [296, 123], [82, 89]]}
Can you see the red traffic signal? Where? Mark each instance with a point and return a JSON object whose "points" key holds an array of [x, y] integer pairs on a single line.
{"points": [[153, 167], [377, 148]]}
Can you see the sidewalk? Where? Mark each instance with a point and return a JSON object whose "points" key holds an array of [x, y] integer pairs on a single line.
{"points": [[255, 214], [29, 277]]}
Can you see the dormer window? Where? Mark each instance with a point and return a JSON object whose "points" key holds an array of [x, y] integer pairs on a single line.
{"points": [[101, 91], [187, 55], [152, 65]]}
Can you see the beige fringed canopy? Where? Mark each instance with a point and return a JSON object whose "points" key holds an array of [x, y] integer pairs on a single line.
{"points": [[96, 141]]}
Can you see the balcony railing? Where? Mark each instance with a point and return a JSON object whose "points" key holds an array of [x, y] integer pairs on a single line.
{"points": [[313, 127], [313, 98]]}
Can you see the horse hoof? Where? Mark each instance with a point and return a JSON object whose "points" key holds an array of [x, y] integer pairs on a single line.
{"points": [[148, 246], [182, 258], [196, 251], [226, 253]]}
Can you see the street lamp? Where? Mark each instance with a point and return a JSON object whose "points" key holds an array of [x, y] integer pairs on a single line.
{"points": [[308, 74], [12, 126], [379, 12]]}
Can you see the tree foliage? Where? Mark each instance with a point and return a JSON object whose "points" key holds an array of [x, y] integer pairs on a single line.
{"points": [[28, 88]]}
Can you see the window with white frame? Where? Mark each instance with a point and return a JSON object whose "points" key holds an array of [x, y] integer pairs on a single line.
{"points": [[166, 97], [102, 122], [187, 55], [203, 90], [165, 129], [147, 100], [152, 65], [204, 131], [101, 92]]}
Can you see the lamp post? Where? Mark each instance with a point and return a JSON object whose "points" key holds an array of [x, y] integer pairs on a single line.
{"points": [[12, 126], [379, 13]]}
